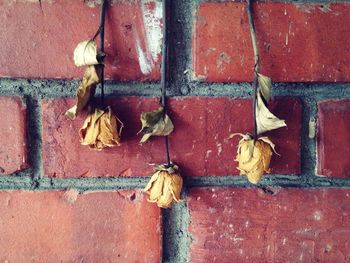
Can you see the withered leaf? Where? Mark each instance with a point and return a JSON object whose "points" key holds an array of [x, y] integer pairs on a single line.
{"points": [[101, 129], [265, 86], [85, 90], [85, 53], [155, 123], [265, 120]]}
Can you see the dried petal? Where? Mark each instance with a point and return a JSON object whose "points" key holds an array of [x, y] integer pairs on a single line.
{"points": [[85, 90], [101, 129], [265, 120], [85, 53], [254, 162], [164, 188], [155, 123]]}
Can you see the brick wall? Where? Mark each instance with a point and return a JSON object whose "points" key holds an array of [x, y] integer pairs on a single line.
{"points": [[61, 201]]}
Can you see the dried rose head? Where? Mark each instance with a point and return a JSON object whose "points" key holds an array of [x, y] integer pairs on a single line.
{"points": [[254, 157], [101, 129], [165, 186]]}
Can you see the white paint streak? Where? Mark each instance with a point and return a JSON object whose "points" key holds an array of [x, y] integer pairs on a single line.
{"points": [[149, 55], [145, 65]]}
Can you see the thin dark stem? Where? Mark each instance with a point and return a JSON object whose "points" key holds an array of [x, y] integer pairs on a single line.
{"points": [[164, 71], [256, 63], [102, 48]]}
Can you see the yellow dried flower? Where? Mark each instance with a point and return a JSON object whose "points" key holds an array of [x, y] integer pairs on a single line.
{"points": [[165, 186], [101, 129], [254, 157]]}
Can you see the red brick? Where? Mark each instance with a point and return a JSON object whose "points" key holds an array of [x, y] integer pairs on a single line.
{"points": [[333, 145], [198, 143], [248, 225], [297, 42], [13, 150], [96, 227], [39, 41]]}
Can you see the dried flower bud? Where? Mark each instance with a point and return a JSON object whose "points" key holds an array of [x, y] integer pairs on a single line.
{"points": [[85, 90], [101, 129], [254, 157], [165, 186]]}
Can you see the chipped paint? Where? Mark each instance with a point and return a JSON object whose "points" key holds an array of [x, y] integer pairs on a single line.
{"points": [[149, 48]]}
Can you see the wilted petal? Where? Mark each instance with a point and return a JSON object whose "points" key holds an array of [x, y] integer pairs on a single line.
{"points": [[85, 53], [85, 90]]}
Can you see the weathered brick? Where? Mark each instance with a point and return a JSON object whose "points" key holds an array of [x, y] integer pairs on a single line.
{"points": [[63, 227], [333, 145], [38, 40], [199, 143], [13, 149], [249, 225], [297, 42]]}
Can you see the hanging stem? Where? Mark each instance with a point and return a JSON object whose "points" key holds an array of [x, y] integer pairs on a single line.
{"points": [[165, 72], [256, 63], [102, 48]]}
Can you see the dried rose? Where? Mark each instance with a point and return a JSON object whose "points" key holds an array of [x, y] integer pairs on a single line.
{"points": [[101, 129], [254, 157], [85, 90], [155, 123], [165, 186]]}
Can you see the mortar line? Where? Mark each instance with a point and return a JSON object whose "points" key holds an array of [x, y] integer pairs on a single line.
{"points": [[49, 89], [117, 183], [34, 131], [308, 145]]}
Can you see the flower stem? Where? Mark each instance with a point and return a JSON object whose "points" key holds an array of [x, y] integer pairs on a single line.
{"points": [[102, 48], [256, 63], [165, 71]]}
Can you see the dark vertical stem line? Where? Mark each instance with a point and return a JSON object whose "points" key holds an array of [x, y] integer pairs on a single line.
{"points": [[256, 62], [165, 71], [102, 48]]}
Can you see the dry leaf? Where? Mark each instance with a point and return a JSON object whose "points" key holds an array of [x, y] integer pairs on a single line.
{"points": [[85, 53], [265, 86], [165, 186], [155, 123], [265, 120], [85, 90], [254, 157], [101, 129]]}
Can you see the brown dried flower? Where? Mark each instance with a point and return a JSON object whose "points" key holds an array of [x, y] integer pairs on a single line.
{"points": [[254, 157], [165, 186], [101, 129]]}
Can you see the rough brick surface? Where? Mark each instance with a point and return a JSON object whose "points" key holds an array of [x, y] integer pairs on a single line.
{"points": [[333, 144], [248, 225], [199, 143], [297, 42], [37, 41], [13, 149], [63, 227]]}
